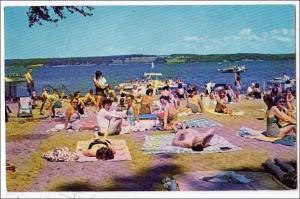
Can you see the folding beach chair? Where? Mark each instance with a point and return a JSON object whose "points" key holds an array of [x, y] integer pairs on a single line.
{"points": [[25, 107]]}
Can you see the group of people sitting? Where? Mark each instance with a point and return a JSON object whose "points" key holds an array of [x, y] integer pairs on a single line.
{"points": [[254, 91]]}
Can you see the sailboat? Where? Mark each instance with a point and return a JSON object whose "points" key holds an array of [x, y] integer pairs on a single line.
{"points": [[152, 65]]}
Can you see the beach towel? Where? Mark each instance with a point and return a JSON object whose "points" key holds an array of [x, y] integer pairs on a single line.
{"points": [[163, 144], [57, 128], [238, 113], [255, 134], [287, 140], [122, 151], [194, 123], [142, 125], [192, 181], [147, 116], [227, 176]]}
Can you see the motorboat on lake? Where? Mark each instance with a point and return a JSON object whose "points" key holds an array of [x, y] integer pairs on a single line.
{"points": [[233, 69]]}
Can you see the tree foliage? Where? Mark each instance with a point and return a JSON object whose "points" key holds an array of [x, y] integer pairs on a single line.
{"points": [[37, 14]]}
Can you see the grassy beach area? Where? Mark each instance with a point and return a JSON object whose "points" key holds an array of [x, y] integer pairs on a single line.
{"points": [[27, 140]]}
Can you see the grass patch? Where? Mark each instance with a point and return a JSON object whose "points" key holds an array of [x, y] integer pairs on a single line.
{"points": [[22, 179], [18, 130]]}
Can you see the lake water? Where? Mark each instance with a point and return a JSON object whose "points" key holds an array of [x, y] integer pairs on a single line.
{"points": [[80, 77]]}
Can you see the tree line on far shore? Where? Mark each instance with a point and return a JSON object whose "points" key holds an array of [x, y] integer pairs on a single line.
{"points": [[169, 59]]}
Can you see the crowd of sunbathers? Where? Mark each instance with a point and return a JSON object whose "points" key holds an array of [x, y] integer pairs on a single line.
{"points": [[281, 110]]}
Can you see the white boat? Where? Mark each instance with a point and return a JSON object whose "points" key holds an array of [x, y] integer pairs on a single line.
{"points": [[152, 65], [152, 78], [233, 69]]}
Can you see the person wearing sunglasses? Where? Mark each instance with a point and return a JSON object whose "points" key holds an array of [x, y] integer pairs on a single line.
{"points": [[276, 117]]}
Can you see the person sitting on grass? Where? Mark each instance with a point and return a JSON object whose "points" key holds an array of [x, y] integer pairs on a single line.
{"points": [[180, 92], [290, 100], [230, 94], [195, 139], [279, 123], [131, 112], [111, 93], [194, 102], [89, 98], [221, 106], [107, 121], [73, 118], [283, 171], [169, 115], [146, 102], [257, 91], [121, 105], [250, 91], [101, 149]]}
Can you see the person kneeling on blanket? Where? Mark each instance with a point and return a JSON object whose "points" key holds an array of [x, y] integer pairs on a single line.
{"points": [[101, 149], [195, 139]]}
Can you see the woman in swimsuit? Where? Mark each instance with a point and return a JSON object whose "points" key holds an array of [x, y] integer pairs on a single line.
{"points": [[169, 114], [73, 118], [101, 149], [275, 117], [194, 102], [221, 106]]}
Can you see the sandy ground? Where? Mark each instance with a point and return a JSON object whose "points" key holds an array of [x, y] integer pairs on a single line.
{"points": [[144, 172]]}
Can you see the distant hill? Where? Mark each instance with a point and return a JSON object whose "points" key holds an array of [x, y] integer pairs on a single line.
{"points": [[139, 58]]}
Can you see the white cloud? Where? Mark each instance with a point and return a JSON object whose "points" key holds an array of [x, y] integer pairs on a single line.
{"points": [[195, 38], [242, 39]]}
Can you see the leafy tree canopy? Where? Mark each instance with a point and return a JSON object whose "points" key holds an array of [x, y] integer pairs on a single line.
{"points": [[37, 14]]}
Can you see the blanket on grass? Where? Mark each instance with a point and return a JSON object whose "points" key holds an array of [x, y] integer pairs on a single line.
{"points": [[122, 151], [246, 132], [142, 125], [196, 123], [192, 181], [238, 113], [163, 144]]}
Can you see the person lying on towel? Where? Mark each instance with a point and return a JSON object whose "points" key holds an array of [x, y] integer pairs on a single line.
{"points": [[195, 139], [101, 149]]}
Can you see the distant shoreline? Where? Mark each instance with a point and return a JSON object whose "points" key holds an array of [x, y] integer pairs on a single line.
{"points": [[148, 59]]}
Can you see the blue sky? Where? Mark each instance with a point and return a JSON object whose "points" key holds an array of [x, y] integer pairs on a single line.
{"points": [[160, 30]]}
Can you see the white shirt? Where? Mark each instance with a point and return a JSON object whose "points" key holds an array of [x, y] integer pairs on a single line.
{"points": [[249, 90], [104, 117]]}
